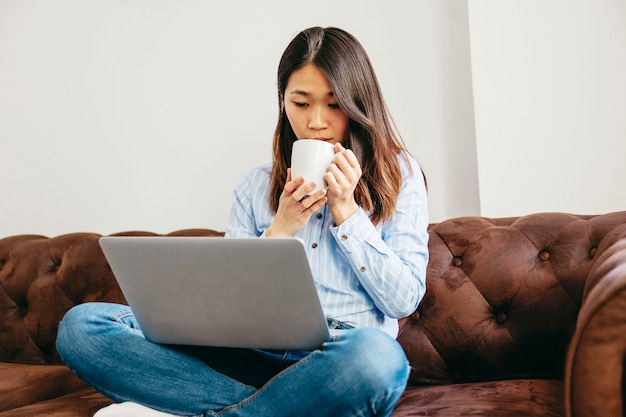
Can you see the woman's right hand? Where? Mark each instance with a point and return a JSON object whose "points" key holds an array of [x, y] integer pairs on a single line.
{"points": [[295, 208]]}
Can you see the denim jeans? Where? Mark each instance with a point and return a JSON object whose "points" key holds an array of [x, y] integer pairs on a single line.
{"points": [[362, 372]]}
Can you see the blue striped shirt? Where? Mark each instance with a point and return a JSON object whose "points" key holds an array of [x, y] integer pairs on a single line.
{"points": [[366, 275]]}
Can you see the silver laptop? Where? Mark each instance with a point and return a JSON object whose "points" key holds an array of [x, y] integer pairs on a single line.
{"points": [[215, 291]]}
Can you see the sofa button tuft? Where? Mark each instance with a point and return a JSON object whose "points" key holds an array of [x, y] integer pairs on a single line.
{"points": [[592, 252], [544, 255], [54, 266], [457, 261], [501, 318]]}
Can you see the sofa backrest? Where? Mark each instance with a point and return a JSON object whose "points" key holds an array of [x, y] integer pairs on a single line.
{"points": [[503, 295]]}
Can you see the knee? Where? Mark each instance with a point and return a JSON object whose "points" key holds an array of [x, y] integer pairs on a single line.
{"points": [[74, 315], [70, 323], [72, 329], [81, 325], [67, 331], [376, 358]]}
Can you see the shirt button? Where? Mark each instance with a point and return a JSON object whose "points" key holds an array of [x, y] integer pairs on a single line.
{"points": [[314, 245], [319, 215], [344, 238], [363, 269]]}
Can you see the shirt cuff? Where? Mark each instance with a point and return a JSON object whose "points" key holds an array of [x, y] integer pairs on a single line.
{"points": [[354, 230]]}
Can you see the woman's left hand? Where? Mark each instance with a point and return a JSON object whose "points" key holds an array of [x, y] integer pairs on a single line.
{"points": [[342, 177]]}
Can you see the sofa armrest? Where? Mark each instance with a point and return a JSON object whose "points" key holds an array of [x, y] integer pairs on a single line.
{"points": [[594, 369]]}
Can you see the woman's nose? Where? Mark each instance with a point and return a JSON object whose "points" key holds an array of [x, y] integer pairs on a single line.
{"points": [[318, 119]]}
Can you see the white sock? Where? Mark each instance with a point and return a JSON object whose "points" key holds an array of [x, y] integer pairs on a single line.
{"points": [[129, 409]]}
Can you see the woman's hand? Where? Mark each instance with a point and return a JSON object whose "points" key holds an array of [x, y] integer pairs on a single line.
{"points": [[294, 207], [342, 178]]}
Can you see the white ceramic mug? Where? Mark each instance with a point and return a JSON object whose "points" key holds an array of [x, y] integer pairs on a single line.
{"points": [[310, 158]]}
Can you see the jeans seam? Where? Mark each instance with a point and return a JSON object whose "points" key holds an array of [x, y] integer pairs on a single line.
{"points": [[121, 315]]}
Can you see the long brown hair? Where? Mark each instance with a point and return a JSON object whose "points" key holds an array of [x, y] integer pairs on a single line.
{"points": [[371, 134]]}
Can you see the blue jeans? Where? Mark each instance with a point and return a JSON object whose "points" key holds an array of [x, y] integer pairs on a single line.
{"points": [[363, 372]]}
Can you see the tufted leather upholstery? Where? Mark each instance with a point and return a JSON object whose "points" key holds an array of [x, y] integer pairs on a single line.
{"points": [[503, 297], [491, 336]]}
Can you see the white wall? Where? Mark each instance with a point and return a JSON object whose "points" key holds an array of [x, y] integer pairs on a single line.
{"points": [[143, 114], [549, 81]]}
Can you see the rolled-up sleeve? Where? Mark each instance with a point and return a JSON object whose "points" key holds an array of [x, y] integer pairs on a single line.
{"points": [[390, 260]]}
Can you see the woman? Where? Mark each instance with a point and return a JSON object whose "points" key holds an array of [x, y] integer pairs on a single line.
{"points": [[366, 242]]}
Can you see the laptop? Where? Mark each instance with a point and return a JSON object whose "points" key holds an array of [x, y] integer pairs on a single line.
{"points": [[216, 291]]}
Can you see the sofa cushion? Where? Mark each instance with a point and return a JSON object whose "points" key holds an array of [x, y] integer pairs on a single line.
{"points": [[530, 397], [83, 403], [24, 384]]}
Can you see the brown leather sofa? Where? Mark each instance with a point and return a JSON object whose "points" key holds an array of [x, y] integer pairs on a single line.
{"points": [[522, 317]]}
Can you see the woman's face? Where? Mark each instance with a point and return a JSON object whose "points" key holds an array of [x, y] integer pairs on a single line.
{"points": [[311, 107]]}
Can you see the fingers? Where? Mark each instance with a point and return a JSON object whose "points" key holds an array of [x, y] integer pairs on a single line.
{"points": [[296, 205], [298, 189], [347, 164], [345, 158], [313, 202], [299, 199], [345, 171], [292, 185], [305, 201]]}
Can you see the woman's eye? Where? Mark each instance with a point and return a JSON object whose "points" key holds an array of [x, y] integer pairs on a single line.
{"points": [[334, 106], [300, 104]]}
